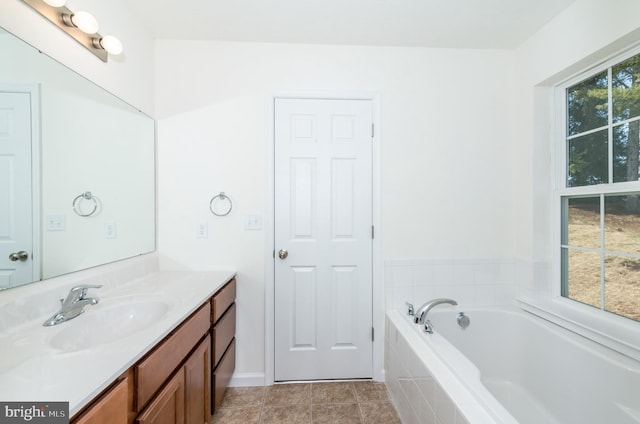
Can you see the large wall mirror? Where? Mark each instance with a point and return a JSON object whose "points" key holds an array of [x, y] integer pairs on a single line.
{"points": [[77, 170]]}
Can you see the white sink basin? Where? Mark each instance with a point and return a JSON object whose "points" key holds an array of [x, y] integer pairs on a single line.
{"points": [[106, 323]]}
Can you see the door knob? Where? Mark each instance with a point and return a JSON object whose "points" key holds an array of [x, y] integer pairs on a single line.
{"points": [[282, 253], [19, 256]]}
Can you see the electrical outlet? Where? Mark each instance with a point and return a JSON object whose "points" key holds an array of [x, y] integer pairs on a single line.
{"points": [[109, 229], [202, 230]]}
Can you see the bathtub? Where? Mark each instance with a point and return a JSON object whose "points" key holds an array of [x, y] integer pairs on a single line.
{"points": [[508, 366]]}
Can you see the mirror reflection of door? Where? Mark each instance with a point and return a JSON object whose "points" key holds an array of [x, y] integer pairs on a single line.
{"points": [[16, 195]]}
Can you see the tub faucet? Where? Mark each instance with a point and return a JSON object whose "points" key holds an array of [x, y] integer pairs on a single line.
{"points": [[421, 313], [73, 305]]}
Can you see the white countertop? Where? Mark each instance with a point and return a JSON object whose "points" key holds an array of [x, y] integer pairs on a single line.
{"points": [[32, 370]]}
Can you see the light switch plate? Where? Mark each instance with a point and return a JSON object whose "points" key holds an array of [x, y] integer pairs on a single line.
{"points": [[253, 222], [55, 222]]}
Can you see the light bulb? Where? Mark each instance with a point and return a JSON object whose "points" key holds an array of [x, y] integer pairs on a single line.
{"points": [[111, 44], [85, 22], [55, 3]]}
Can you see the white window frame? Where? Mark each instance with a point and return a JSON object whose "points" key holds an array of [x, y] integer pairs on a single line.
{"points": [[619, 333]]}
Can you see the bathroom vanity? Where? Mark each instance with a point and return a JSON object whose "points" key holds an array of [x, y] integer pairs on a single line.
{"points": [[175, 369], [178, 376]]}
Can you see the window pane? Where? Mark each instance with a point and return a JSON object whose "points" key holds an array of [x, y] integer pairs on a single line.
{"points": [[583, 222], [583, 277], [622, 224], [626, 153], [622, 286], [626, 89], [587, 160], [587, 104]]}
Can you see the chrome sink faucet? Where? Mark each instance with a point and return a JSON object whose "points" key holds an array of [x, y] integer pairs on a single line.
{"points": [[73, 305], [421, 313]]}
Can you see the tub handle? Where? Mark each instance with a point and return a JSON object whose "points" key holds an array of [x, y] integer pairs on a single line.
{"points": [[428, 327], [409, 308]]}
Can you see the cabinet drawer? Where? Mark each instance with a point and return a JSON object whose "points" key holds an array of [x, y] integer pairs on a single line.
{"points": [[223, 299], [223, 333], [223, 373], [152, 371]]}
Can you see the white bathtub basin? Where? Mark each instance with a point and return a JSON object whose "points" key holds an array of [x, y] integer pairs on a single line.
{"points": [[512, 367], [107, 323]]}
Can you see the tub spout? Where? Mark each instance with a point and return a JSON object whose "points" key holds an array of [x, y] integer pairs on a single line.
{"points": [[421, 313]]}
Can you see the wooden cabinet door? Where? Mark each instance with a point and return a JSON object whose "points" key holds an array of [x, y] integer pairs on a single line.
{"points": [[110, 409], [197, 380], [223, 373], [168, 405]]}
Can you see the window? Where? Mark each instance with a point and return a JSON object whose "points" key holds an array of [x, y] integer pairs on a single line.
{"points": [[600, 194]]}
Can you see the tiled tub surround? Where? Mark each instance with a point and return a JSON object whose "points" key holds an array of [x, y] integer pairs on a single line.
{"points": [[486, 281], [508, 366], [33, 370], [421, 384]]}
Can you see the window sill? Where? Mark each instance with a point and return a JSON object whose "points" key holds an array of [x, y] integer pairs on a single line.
{"points": [[607, 329]]}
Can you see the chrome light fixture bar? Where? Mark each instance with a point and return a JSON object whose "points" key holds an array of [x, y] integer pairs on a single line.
{"points": [[81, 26]]}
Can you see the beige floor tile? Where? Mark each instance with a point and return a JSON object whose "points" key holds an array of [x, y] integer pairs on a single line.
{"points": [[290, 414], [237, 416], [243, 397], [379, 413], [339, 392], [287, 394], [336, 413], [370, 391], [360, 402]]}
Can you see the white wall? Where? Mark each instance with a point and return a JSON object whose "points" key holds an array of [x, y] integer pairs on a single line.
{"points": [[581, 36], [129, 76], [446, 134]]}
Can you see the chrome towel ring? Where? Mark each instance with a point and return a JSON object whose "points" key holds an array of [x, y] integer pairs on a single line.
{"points": [[220, 204], [77, 202]]}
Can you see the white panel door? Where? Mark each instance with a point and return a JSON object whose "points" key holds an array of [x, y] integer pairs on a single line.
{"points": [[323, 221], [15, 190]]}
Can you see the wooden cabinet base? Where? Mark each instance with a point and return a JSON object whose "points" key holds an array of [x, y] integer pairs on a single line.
{"points": [[223, 373]]}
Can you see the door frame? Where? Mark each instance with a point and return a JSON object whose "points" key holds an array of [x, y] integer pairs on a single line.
{"points": [[378, 292], [36, 245]]}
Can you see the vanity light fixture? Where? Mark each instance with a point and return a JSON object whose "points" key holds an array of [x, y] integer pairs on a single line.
{"points": [[81, 26], [82, 20], [56, 3], [110, 43]]}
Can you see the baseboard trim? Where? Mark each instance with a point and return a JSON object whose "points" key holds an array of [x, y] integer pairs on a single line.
{"points": [[247, 379], [253, 379]]}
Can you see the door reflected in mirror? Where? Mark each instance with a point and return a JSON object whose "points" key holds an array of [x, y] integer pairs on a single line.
{"points": [[77, 170]]}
